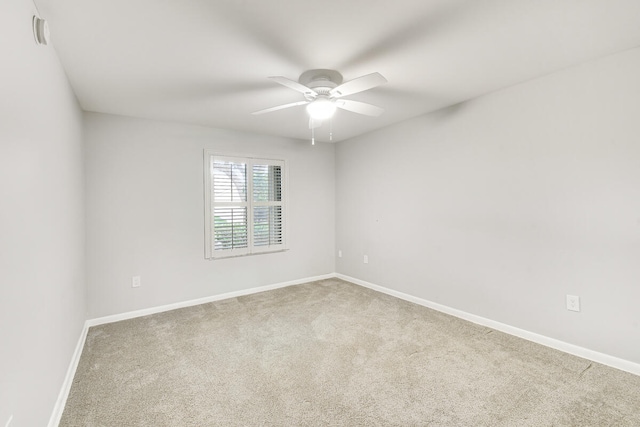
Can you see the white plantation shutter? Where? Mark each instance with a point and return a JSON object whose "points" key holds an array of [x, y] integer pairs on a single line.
{"points": [[244, 203], [267, 206], [230, 208]]}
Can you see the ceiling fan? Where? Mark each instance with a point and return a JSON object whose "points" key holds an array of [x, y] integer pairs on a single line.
{"points": [[323, 91]]}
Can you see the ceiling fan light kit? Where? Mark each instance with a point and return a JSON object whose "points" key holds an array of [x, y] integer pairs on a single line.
{"points": [[323, 91], [321, 108]]}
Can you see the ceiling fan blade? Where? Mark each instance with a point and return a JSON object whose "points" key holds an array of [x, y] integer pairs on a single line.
{"points": [[358, 85], [314, 123], [359, 107], [294, 85], [279, 107]]}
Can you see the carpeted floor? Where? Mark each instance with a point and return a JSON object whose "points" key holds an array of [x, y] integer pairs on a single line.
{"points": [[331, 353]]}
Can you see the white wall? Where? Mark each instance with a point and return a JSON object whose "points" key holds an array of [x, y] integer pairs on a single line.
{"points": [[42, 289], [145, 213], [503, 205]]}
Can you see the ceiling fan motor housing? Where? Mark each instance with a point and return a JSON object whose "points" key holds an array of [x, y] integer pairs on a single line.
{"points": [[321, 81]]}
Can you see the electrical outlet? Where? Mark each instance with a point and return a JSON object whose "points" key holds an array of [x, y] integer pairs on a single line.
{"points": [[8, 424], [573, 303], [135, 282], [339, 253], [366, 259]]}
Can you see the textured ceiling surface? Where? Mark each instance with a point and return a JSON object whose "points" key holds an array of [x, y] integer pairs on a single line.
{"points": [[206, 62]]}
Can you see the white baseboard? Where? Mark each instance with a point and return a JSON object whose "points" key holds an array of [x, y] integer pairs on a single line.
{"points": [[168, 307], [68, 379], [605, 359]]}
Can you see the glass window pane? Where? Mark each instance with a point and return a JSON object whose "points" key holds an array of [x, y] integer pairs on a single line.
{"points": [[267, 225], [230, 228], [267, 183], [229, 181]]}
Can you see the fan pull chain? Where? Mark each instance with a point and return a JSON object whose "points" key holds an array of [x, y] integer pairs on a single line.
{"points": [[331, 129], [313, 135]]}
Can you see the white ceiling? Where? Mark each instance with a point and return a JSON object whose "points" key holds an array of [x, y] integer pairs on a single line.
{"points": [[207, 61]]}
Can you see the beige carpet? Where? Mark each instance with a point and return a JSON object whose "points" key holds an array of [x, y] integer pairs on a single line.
{"points": [[331, 353]]}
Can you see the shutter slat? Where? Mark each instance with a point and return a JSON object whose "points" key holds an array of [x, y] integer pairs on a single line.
{"points": [[267, 183], [267, 226], [230, 228], [229, 181]]}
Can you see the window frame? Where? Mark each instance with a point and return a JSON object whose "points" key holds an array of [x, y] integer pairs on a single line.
{"points": [[250, 203]]}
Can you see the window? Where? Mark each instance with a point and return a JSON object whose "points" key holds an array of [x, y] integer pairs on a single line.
{"points": [[244, 205]]}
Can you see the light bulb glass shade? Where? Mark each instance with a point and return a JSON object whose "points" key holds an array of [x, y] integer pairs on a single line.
{"points": [[321, 108]]}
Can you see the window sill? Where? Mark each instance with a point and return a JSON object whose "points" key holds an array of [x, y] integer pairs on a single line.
{"points": [[246, 255]]}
